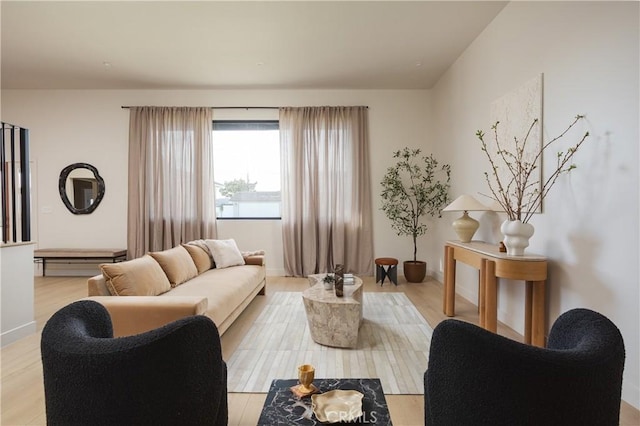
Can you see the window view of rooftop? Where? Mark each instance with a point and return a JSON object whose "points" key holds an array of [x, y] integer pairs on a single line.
{"points": [[246, 157]]}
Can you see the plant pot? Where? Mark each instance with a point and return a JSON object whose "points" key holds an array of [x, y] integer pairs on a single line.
{"points": [[415, 272], [516, 236]]}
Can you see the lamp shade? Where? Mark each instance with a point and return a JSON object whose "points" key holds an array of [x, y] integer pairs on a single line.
{"points": [[465, 203]]}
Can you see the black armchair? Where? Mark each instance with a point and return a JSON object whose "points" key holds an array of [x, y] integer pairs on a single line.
{"points": [[173, 375], [476, 377]]}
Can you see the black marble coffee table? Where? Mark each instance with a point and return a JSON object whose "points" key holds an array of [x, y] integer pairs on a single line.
{"points": [[283, 408]]}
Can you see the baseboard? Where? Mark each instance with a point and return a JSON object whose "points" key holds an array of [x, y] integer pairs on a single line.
{"points": [[438, 276], [631, 394], [467, 294], [275, 273], [17, 333]]}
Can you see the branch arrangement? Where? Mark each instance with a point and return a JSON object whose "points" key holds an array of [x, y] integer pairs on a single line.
{"points": [[520, 195]]}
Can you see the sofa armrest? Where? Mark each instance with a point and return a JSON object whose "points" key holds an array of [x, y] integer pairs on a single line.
{"points": [[137, 314], [97, 286], [256, 259]]}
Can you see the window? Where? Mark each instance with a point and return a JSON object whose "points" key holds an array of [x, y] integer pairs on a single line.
{"points": [[246, 169]]}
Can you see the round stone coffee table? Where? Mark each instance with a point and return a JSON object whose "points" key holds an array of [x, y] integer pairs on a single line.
{"points": [[334, 321]]}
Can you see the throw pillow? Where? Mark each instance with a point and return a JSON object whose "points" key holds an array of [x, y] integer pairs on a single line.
{"points": [[200, 257], [225, 253], [137, 277], [177, 264], [203, 245]]}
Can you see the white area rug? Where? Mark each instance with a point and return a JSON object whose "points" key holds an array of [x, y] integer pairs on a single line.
{"points": [[393, 345]]}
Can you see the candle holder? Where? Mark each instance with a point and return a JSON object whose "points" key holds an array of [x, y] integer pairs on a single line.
{"points": [[306, 374]]}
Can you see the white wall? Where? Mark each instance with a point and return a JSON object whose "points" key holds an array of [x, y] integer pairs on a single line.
{"points": [[89, 126], [588, 53], [16, 292]]}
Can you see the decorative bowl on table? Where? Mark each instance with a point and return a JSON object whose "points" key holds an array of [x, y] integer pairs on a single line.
{"points": [[337, 406]]}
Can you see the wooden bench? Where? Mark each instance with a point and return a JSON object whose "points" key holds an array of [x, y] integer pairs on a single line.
{"points": [[72, 254]]}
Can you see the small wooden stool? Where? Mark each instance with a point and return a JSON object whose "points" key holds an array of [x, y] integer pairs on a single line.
{"points": [[391, 271]]}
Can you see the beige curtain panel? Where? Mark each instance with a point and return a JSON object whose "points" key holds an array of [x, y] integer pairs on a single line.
{"points": [[171, 196], [326, 190]]}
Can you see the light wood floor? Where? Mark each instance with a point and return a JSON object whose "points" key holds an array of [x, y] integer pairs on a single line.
{"points": [[22, 394]]}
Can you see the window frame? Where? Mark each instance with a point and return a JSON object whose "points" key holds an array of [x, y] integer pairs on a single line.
{"points": [[236, 124]]}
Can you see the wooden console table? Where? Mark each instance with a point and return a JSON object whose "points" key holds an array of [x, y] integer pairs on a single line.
{"points": [[70, 255], [492, 264]]}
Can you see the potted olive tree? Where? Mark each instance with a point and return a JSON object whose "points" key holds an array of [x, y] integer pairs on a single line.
{"points": [[414, 187]]}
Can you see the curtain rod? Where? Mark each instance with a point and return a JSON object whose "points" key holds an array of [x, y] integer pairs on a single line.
{"points": [[232, 107], [222, 107]]}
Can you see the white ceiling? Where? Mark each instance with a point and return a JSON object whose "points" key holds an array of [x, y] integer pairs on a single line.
{"points": [[241, 44]]}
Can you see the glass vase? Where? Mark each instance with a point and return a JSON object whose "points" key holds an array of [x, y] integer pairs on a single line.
{"points": [[339, 280]]}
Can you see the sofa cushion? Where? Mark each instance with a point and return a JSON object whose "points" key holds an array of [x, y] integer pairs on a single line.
{"points": [[224, 288], [203, 245], [225, 253], [177, 264], [200, 257], [138, 277]]}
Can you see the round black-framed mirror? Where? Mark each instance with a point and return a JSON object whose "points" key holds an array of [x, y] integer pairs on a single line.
{"points": [[81, 188]]}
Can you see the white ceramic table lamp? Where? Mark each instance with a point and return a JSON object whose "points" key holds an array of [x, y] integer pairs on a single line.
{"points": [[465, 226]]}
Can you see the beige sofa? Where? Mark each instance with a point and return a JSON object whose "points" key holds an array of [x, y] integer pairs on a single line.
{"points": [[160, 287]]}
